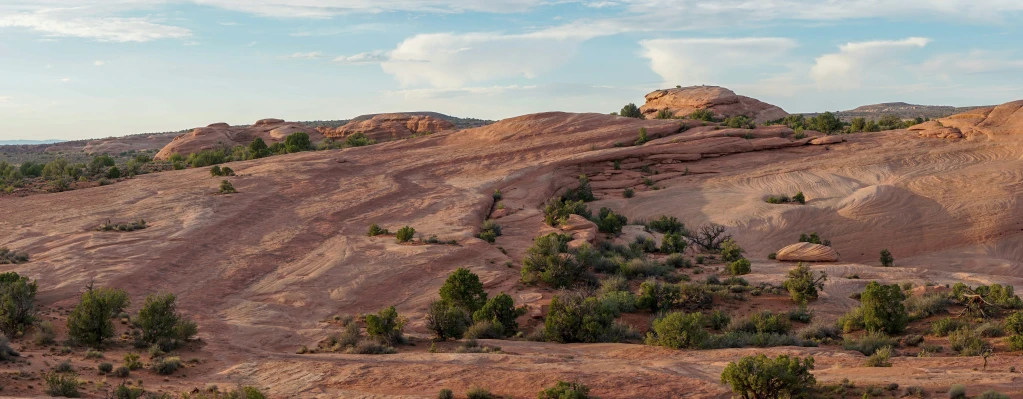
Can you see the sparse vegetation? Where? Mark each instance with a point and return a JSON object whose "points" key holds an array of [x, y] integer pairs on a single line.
{"points": [[557, 211], [9, 257], [161, 324], [760, 377], [89, 322], [405, 234], [386, 326], [565, 390], [17, 303], [226, 187], [678, 330], [609, 222], [375, 230], [803, 285], [630, 110], [785, 199], [887, 260], [62, 385], [740, 122], [546, 261]]}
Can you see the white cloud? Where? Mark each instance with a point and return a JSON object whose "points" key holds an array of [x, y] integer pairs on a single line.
{"points": [[972, 63], [98, 63], [65, 80], [107, 29], [450, 60], [697, 61], [371, 57], [328, 8], [305, 56], [432, 93], [855, 62], [229, 23], [4, 99]]}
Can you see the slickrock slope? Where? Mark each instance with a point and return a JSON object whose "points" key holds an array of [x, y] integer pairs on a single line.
{"points": [[223, 135], [723, 102], [264, 271], [384, 127]]}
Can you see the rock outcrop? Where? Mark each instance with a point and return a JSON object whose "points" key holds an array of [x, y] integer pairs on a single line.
{"points": [[807, 252], [384, 127], [999, 120], [722, 102], [223, 135]]}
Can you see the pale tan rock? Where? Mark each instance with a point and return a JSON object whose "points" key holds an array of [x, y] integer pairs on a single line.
{"points": [[833, 139], [807, 252], [723, 102], [385, 127], [222, 135]]}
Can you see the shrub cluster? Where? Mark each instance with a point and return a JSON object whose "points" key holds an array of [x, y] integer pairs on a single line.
{"points": [[127, 226], [785, 199], [9, 257], [489, 231]]}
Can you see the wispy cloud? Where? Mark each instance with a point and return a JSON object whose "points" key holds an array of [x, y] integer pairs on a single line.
{"points": [[697, 61], [313, 55], [98, 63], [370, 57], [108, 29]]}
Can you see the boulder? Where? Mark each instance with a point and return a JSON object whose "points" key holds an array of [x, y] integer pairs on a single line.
{"points": [[833, 139], [384, 127], [722, 102], [581, 229], [807, 252]]}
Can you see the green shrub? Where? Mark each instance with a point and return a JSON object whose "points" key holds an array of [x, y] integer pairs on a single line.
{"points": [[358, 139], [967, 343], [883, 309], [740, 122], [694, 296], [673, 243], [479, 393], [386, 326], [887, 260], [922, 306], [375, 230], [226, 187], [803, 284], [132, 361], [161, 324], [820, 332], [642, 137], [739, 267], [485, 329], [667, 224], [215, 171], [122, 372], [574, 318], [544, 261], [464, 289], [64, 367], [9, 257], [656, 296], [942, 327], [678, 330], [609, 222], [992, 395], [405, 234], [664, 114], [489, 231], [762, 322], [630, 110], [62, 384], [852, 320], [676, 260], [620, 301], [166, 366], [869, 343], [730, 250], [799, 197], [702, 115], [556, 211], [565, 390], [881, 357], [106, 367], [502, 312], [957, 391], [446, 321], [581, 193], [629, 192], [801, 314], [17, 302], [114, 173], [89, 322], [759, 377], [446, 394]]}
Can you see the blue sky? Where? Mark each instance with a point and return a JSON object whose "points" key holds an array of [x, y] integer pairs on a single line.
{"points": [[95, 68]]}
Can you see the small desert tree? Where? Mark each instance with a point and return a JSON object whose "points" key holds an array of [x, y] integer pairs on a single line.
{"points": [[546, 261], [565, 390], [630, 110], [574, 318], [258, 148], [887, 260], [89, 322], [657, 296], [386, 326], [405, 234], [710, 236], [464, 290], [161, 324], [678, 330], [17, 303], [760, 377], [731, 251], [502, 312], [883, 309], [446, 320], [803, 285]]}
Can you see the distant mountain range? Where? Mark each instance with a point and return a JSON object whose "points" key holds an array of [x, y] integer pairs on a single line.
{"points": [[901, 109], [25, 142]]}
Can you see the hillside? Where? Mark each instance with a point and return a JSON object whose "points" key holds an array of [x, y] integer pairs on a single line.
{"points": [[265, 271], [900, 109]]}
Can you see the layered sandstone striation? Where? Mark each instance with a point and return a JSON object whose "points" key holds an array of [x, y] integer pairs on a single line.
{"points": [[385, 127]]}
